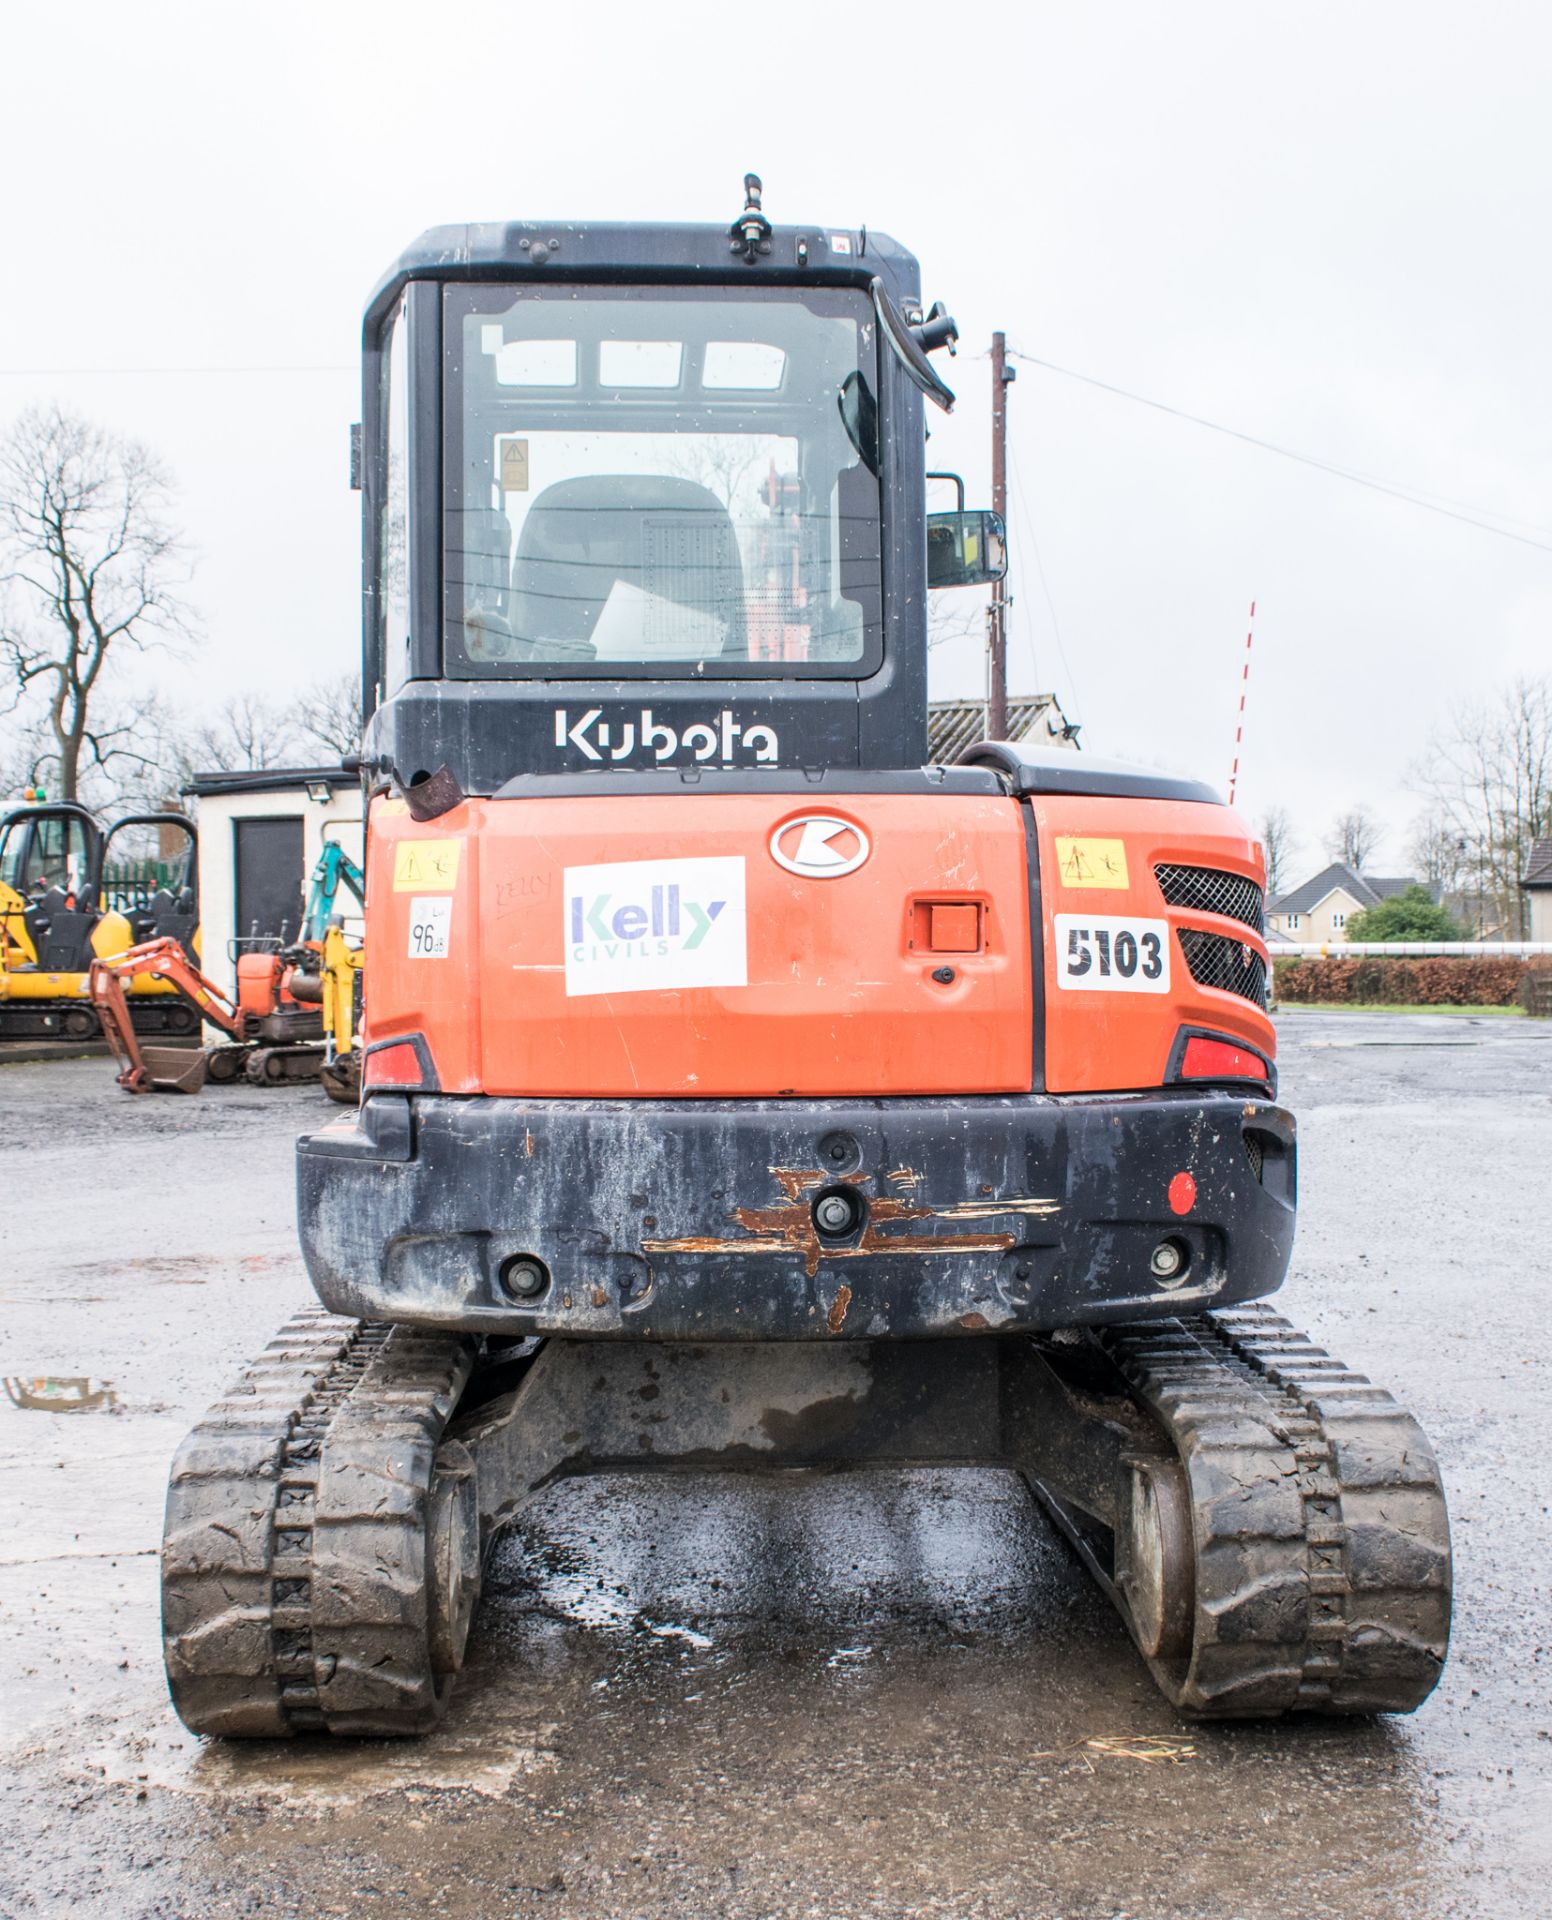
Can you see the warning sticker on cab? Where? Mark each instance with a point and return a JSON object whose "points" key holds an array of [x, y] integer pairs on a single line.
{"points": [[426, 866], [634, 925], [431, 924], [1111, 953], [1091, 863]]}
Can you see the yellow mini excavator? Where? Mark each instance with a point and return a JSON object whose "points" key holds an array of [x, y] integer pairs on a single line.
{"points": [[56, 917]]}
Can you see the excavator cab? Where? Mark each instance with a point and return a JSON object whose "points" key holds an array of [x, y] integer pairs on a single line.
{"points": [[623, 517], [738, 1088], [150, 868], [50, 862]]}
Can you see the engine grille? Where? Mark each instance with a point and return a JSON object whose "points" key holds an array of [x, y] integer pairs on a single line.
{"points": [[1228, 964], [1209, 890]]}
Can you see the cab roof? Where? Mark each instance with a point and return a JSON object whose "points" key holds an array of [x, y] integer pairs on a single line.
{"points": [[646, 251]]}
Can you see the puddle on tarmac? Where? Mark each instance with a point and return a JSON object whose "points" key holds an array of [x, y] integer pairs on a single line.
{"points": [[60, 1393]]}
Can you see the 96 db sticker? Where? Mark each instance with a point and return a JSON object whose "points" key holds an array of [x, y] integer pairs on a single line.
{"points": [[431, 921], [1112, 953]]}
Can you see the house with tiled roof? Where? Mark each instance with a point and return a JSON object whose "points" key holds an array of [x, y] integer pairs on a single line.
{"points": [[1320, 909], [953, 725], [1536, 884]]}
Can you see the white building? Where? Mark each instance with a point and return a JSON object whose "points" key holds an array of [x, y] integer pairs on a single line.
{"points": [[260, 838]]}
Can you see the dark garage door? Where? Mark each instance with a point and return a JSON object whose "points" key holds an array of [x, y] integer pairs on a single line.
{"points": [[269, 877]]}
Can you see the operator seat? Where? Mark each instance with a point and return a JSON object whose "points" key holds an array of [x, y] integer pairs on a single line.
{"points": [[172, 913], [668, 538], [60, 931]]}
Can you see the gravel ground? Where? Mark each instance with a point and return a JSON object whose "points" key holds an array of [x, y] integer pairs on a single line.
{"points": [[861, 1695]]}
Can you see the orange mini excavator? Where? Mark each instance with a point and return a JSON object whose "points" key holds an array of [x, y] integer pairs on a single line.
{"points": [[738, 1088], [274, 1028]]}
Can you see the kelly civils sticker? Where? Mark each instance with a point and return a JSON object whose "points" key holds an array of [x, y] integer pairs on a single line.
{"points": [[1091, 863], [431, 926], [635, 925], [1111, 953], [426, 866]]}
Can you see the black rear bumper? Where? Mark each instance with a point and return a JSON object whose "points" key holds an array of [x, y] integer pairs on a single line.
{"points": [[695, 1220]]}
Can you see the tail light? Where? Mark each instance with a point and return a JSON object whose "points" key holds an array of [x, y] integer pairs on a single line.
{"points": [[1211, 1056], [404, 1064]]}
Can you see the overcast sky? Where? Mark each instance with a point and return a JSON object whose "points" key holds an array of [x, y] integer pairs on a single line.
{"points": [[1325, 227]]}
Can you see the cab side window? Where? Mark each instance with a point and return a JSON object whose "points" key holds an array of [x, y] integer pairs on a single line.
{"points": [[394, 532], [56, 857]]}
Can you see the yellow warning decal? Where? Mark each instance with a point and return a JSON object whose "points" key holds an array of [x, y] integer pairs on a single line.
{"points": [[426, 866], [1092, 863], [514, 466]]}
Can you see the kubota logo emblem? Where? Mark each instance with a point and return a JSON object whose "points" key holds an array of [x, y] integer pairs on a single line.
{"points": [[819, 847]]}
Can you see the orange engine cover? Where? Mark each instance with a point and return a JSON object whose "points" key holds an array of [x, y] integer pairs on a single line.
{"points": [[746, 945], [258, 983], [653, 946], [1109, 868]]}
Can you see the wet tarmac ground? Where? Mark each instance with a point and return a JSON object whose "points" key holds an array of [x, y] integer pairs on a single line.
{"points": [[864, 1694]]}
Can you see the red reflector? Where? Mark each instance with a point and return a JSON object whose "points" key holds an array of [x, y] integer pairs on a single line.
{"points": [[1182, 1194], [395, 1066], [1218, 1060]]}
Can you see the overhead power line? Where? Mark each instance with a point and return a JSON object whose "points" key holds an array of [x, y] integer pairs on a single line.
{"points": [[1469, 516], [126, 373]]}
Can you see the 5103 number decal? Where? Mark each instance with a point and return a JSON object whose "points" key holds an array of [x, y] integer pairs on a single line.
{"points": [[1111, 953]]}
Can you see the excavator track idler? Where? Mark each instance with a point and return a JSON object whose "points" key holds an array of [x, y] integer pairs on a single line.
{"points": [[1269, 1525]]}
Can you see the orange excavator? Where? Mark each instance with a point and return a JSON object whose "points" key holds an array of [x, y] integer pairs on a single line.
{"points": [[274, 1026], [294, 1017], [740, 1090]]}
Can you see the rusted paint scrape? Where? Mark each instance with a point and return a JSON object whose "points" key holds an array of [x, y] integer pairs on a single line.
{"points": [[836, 1318], [790, 1228]]}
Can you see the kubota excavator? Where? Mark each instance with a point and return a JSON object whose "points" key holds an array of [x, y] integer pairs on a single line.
{"points": [[739, 1090]]}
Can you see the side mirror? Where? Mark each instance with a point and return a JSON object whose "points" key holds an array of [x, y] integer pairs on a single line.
{"points": [[965, 549]]}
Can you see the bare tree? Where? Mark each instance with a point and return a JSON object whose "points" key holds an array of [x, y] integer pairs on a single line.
{"points": [[91, 567], [1488, 775], [953, 616], [21, 747], [1354, 838], [722, 463], [1437, 852], [249, 733], [328, 715], [1279, 842]]}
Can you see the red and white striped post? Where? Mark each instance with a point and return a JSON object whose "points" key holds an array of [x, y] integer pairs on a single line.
{"points": [[1244, 688]]}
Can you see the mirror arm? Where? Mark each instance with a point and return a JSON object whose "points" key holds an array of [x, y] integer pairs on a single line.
{"points": [[907, 348], [959, 485]]}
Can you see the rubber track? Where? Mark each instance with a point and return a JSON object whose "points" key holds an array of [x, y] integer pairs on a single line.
{"points": [[1323, 1548], [294, 1593]]}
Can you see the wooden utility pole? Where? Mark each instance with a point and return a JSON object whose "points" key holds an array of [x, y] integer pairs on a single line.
{"points": [[997, 612]]}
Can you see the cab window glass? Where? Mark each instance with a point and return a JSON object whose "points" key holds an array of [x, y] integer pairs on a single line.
{"points": [[658, 484], [395, 528], [55, 856]]}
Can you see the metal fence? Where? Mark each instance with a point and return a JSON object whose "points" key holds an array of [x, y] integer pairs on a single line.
{"points": [[1363, 949], [128, 884]]}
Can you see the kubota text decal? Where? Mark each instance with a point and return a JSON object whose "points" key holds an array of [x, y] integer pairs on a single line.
{"points": [[643, 739], [635, 925]]}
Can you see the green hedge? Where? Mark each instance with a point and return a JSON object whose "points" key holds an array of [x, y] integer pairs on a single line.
{"points": [[1441, 980]]}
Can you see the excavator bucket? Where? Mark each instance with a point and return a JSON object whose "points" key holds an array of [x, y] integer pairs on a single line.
{"points": [[173, 1069]]}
